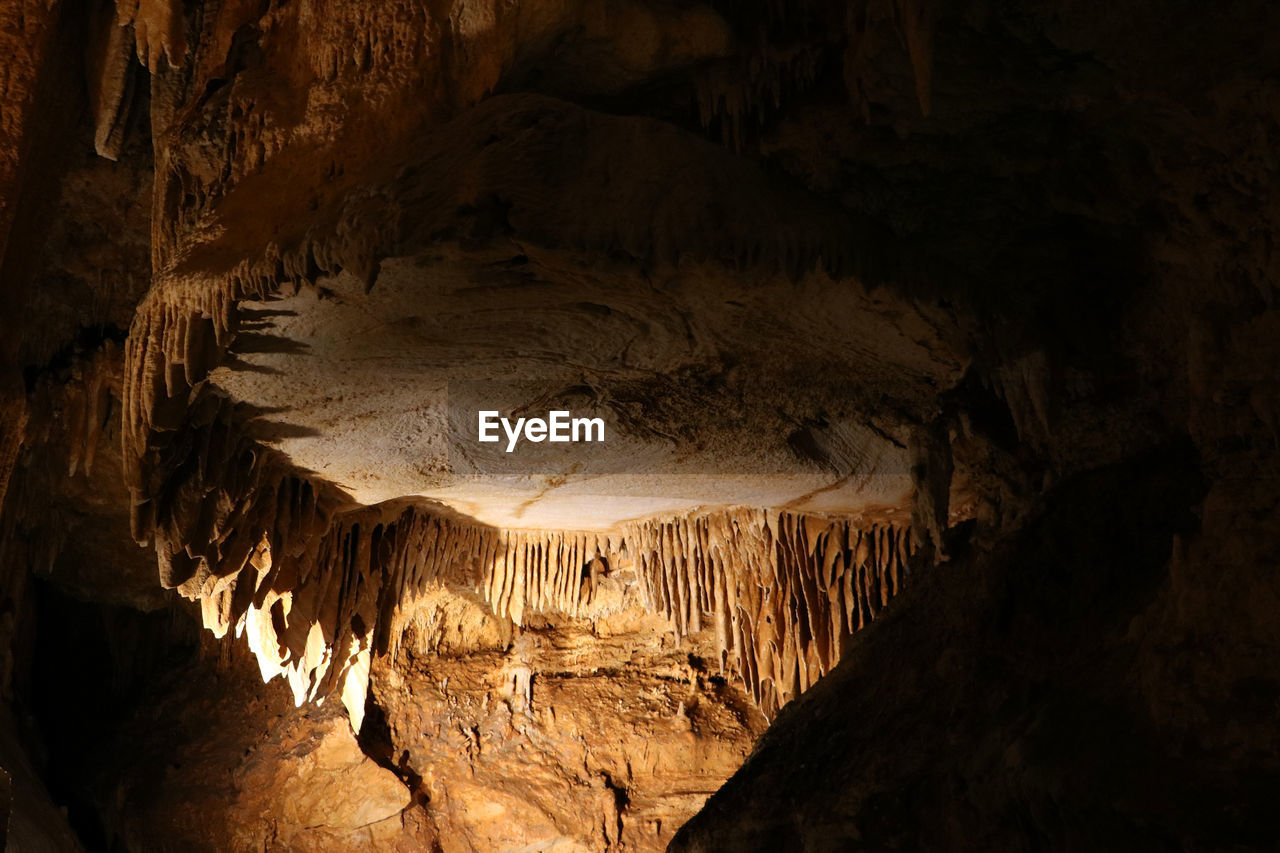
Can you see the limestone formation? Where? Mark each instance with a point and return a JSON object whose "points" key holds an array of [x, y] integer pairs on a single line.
{"points": [[933, 347]]}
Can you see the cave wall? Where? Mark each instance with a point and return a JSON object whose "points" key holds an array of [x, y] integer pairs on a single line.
{"points": [[992, 286]]}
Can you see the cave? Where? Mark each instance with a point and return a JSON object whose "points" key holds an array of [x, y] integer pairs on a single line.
{"points": [[561, 426]]}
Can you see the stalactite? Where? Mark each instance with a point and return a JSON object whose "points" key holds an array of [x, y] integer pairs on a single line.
{"points": [[737, 97], [87, 404], [913, 21], [778, 591], [317, 587], [108, 57], [782, 591], [158, 27]]}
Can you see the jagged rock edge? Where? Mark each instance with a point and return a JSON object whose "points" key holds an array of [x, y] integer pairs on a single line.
{"points": [[271, 552]]}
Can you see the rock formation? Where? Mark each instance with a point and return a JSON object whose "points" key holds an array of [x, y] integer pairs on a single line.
{"points": [[933, 344]]}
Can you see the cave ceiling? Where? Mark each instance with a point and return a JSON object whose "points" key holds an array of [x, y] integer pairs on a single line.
{"points": [[932, 344]]}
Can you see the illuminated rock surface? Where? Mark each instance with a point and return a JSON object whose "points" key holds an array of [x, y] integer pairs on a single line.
{"points": [[935, 346]]}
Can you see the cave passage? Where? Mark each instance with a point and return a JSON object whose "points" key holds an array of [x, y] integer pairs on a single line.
{"points": [[606, 425]]}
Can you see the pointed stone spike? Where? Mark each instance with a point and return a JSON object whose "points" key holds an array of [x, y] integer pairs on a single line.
{"points": [[519, 583], [815, 530]]}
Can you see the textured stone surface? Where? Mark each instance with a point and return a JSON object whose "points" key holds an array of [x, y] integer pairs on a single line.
{"points": [[264, 774], [566, 739], [937, 339]]}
